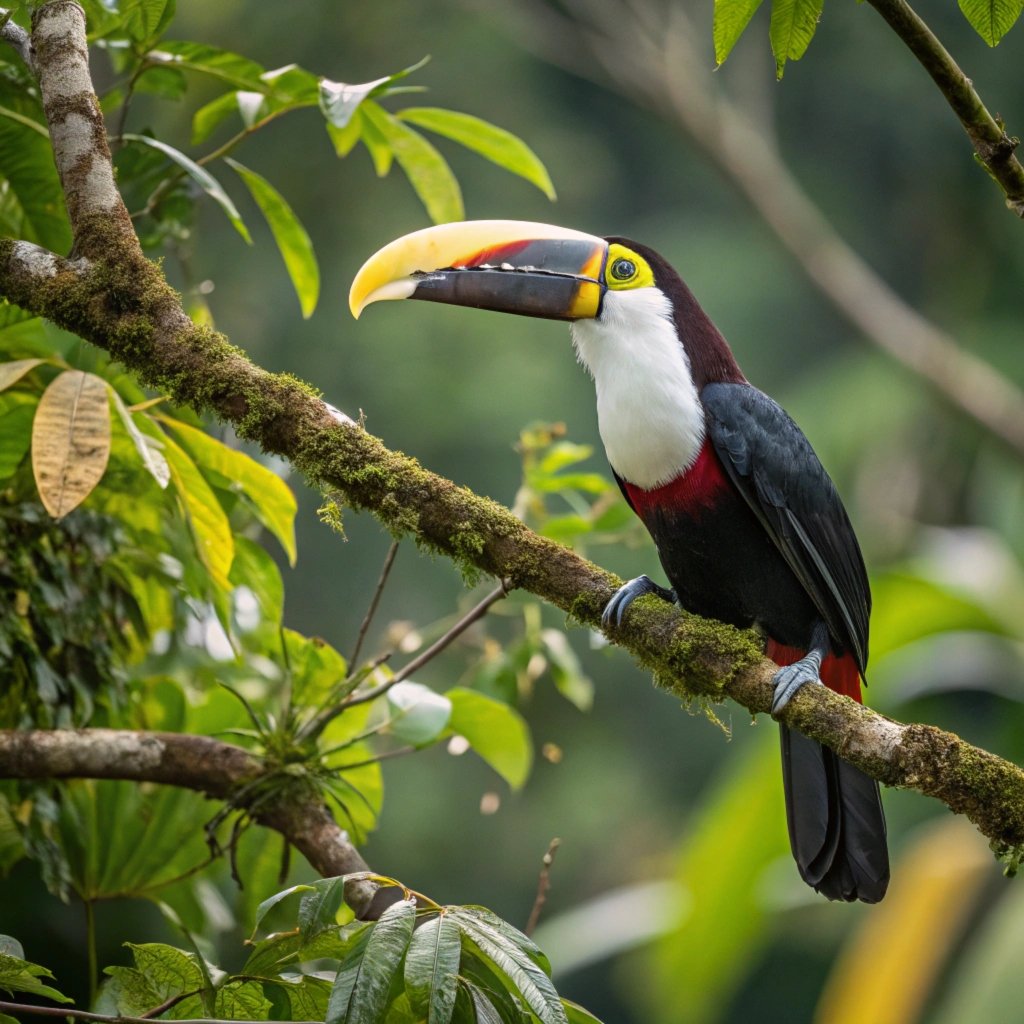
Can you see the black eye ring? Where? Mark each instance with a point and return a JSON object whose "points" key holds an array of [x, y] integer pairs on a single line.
{"points": [[623, 269]]}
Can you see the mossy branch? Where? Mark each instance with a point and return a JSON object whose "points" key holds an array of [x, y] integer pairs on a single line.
{"points": [[119, 301]]}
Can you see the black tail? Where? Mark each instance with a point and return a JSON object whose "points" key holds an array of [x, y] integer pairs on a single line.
{"points": [[836, 823]]}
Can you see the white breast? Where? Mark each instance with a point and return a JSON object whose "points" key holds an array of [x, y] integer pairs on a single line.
{"points": [[648, 413]]}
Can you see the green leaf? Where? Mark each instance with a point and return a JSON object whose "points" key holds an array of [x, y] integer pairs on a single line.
{"points": [[432, 967], [207, 520], [319, 909], [26, 163], [578, 1015], [210, 60], [161, 972], [241, 999], [17, 975], [292, 240], [992, 19], [272, 499], [519, 939], [203, 178], [491, 142], [496, 731], [383, 957], [284, 950], [344, 139], [731, 18], [146, 19], [208, 117], [254, 568], [505, 958], [376, 144], [351, 990], [15, 432], [483, 1007], [272, 901], [427, 171], [792, 27], [418, 714]]}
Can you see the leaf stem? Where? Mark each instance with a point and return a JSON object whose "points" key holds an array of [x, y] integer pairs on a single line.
{"points": [[106, 1018]]}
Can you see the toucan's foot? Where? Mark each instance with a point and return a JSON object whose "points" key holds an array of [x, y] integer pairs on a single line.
{"points": [[789, 679], [627, 594]]}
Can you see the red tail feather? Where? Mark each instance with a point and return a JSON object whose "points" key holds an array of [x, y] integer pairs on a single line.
{"points": [[837, 673]]}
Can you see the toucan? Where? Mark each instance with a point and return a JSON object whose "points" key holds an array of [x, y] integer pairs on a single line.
{"points": [[749, 527]]}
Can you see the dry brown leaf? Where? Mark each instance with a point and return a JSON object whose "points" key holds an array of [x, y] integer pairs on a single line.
{"points": [[70, 440], [11, 373]]}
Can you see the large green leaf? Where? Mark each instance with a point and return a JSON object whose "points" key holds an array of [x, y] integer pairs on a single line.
{"points": [[731, 18], [495, 144], [992, 19], [496, 731], [318, 910], [26, 163], [146, 19], [236, 70], [792, 27], [17, 975], [202, 177], [272, 499], [432, 967], [364, 974], [291, 237], [510, 959], [427, 171], [207, 520], [16, 414], [254, 568], [161, 972]]}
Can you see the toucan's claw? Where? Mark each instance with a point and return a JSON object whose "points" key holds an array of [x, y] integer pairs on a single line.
{"points": [[791, 678], [627, 594]]}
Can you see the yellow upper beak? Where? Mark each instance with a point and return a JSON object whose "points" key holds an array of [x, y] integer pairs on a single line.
{"points": [[531, 258]]}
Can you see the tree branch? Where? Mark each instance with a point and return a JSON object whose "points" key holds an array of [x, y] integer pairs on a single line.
{"points": [[120, 302], [62, 1013], [219, 770], [660, 69], [16, 36], [994, 147]]}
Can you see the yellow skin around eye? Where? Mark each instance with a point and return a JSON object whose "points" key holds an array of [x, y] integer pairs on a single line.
{"points": [[643, 277]]}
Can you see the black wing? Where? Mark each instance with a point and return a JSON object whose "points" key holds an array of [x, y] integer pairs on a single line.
{"points": [[773, 465]]}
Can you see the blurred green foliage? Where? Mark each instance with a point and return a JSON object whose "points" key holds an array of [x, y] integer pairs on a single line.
{"points": [[184, 596]]}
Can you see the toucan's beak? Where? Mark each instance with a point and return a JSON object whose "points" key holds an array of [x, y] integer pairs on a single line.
{"points": [[511, 266]]}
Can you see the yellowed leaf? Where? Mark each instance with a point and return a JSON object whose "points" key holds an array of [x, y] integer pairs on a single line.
{"points": [[70, 440], [11, 373]]}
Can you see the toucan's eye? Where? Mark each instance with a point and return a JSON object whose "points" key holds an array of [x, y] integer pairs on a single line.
{"points": [[623, 269]]}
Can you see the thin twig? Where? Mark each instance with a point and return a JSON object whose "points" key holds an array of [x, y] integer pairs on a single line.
{"points": [[398, 752], [543, 885], [173, 1001], [994, 147], [389, 560], [107, 1018], [16, 36], [467, 620]]}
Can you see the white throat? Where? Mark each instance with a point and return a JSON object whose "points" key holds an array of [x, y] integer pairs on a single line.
{"points": [[648, 413]]}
